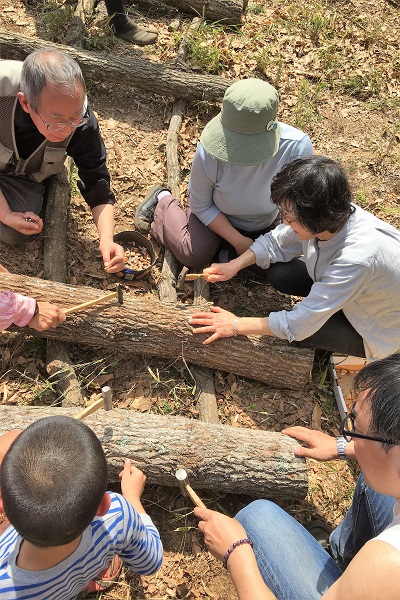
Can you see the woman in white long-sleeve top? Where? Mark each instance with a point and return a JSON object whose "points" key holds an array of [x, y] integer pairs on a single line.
{"points": [[343, 260]]}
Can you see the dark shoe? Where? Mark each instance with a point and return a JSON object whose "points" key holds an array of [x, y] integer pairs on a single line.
{"points": [[321, 532], [145, 211], [138, 35]]}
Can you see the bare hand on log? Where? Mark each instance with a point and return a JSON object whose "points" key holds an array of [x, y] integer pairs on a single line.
{"points": [[218, 322], [321, 445], [27, 223], [49, 316], [220, 531]]}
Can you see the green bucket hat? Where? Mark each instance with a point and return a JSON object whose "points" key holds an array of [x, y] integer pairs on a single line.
{"points": [[246, 131]]}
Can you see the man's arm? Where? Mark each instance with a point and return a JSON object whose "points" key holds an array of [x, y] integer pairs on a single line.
{"points": [[112, 253], [373, 573], [89, 154]]}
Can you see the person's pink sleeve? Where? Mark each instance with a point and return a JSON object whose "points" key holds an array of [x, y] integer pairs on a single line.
{"points": [[15, 308]]}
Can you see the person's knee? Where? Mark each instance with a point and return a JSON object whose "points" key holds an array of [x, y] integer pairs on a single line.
{"points": [[12, 237], [258, 510]]}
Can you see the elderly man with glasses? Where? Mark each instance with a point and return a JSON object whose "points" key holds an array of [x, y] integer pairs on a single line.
{"points": [[45, 116], [270, 555]]}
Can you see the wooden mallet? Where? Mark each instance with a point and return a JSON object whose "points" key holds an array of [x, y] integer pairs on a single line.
{"points": [[79, 307], [186, 489], [104, 402]]}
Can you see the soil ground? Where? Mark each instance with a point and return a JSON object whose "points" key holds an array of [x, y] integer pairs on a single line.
{"points": [[336, 66]]}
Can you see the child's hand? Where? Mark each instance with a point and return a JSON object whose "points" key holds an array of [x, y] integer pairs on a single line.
{"points": [[132, 484]]}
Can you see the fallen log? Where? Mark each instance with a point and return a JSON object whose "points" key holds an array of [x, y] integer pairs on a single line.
{"points": [[226, 12], [147, 326], [216, 457], [137, 73]]}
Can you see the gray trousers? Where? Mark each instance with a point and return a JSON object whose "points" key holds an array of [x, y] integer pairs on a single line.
{"points": [[22, 195]]}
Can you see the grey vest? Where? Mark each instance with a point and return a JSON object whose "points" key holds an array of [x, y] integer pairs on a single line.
{"points": [[48, 158]]}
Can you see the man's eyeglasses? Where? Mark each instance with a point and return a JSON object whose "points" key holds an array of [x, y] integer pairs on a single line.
{"points": [[62, 124], [348, 431]]}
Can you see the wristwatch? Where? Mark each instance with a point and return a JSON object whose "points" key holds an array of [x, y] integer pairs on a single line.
{"points": [[341, 444]]}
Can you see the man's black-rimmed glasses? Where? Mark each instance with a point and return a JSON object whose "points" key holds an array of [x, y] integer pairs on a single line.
{"points": [[348, 431]]}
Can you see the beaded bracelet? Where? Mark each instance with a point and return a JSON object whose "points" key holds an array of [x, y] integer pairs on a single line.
{"points": [[231, 549]]}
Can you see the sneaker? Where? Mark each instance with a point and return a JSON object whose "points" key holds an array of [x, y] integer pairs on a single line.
{"points": [[145, 211]]}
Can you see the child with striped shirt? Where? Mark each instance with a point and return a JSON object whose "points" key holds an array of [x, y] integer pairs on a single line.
{"points": [[66, 529]]}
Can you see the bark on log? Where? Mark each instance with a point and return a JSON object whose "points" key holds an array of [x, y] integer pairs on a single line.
{"points": [[58, 360], [216, 457], [138, 73], [147, 326], [227, 12]]}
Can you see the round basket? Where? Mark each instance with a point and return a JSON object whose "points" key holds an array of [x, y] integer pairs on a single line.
{"points": [[140, 242]]}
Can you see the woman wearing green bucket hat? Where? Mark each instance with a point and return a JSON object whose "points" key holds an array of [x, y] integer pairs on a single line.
{"points": [[239, 153]]}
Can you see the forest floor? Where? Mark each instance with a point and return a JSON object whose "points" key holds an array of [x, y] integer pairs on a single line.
{"points": [[336, 65]]}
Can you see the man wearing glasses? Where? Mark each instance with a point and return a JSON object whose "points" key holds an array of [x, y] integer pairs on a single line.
{"points": [[276, 557], [45, 117]]}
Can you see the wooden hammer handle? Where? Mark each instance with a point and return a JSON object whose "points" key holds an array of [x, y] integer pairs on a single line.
{"points": [[194, 276], [89, 409], [194, 497], [79, 307]]}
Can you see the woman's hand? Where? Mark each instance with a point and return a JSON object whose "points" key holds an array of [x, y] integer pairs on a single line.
{"points": [[220, 531], [218, 322], [321, 445], [221, 271]]}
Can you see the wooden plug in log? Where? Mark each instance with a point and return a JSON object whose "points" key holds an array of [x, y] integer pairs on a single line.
{"points": [[217, 457]]}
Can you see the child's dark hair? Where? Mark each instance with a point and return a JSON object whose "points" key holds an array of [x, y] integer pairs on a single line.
{"points": [[315, 191], [53, 478]]}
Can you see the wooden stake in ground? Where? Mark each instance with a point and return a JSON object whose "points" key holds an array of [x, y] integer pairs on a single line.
{"points": [[216, 457], [58, 359], [206, 401], [147, 326]]}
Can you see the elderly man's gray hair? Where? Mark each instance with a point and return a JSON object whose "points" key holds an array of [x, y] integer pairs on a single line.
{"points": [[50, 67]]}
